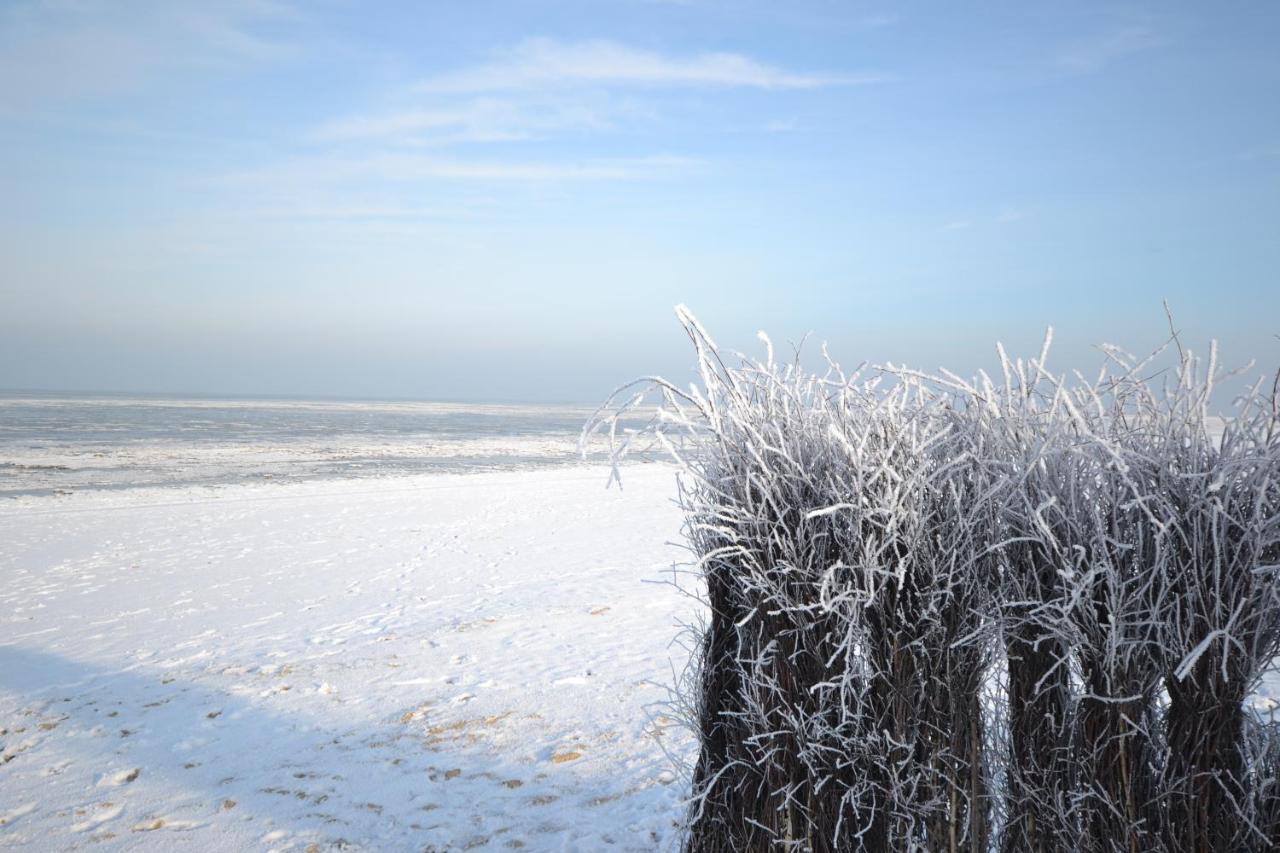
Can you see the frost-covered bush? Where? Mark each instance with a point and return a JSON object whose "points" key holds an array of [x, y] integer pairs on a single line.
{"points": [[1008, 615]]}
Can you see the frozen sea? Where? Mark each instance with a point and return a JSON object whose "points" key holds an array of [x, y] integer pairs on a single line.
{"points": [[57, 443]]}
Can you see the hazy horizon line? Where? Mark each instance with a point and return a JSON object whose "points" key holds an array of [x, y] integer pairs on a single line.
{"points": [[288, 397]]}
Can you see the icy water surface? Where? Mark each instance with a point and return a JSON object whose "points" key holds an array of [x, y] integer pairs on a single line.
{"points": [[51, 443]]}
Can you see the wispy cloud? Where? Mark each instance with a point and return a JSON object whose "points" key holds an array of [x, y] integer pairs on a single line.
{"points": [[544, 87], [1096, 52], [1006, 216], [52, 50], [395, 167], [399, 167], [476, 120], [541, 63], [540, 90], [381, 164], [412, 189]]}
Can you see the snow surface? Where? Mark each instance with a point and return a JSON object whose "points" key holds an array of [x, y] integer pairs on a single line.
{"points": [[432, 662]]}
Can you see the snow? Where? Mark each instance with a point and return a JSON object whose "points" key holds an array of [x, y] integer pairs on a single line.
{"points": [[432, 662]]}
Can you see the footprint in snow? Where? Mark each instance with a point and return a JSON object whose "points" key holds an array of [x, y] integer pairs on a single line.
{"points": [[9, 817], [123, 777], [165, 823], [104, 813]]}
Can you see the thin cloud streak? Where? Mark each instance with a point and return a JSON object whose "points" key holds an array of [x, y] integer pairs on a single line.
{"points": [[1006, 216], [1093, 54], [542, 63], [479, 120], [402, 167], [52, 51]]}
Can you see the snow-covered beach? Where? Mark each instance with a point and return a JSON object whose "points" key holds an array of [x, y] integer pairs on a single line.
{"points": [[438, 661]]}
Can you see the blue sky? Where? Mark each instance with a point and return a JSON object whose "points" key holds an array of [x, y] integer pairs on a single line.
{"points": [[504, 200]]}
